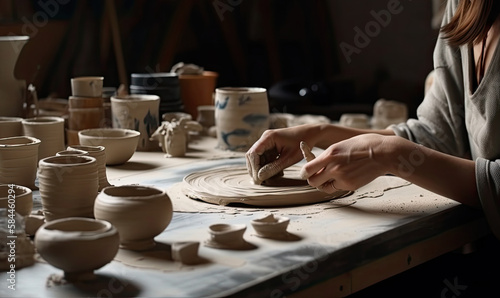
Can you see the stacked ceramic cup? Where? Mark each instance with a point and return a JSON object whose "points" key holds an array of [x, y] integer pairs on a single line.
{"points": [[86, 108], [164, 84]]}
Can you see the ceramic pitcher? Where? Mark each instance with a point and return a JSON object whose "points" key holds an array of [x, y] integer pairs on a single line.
{"points": [[12, 90]]}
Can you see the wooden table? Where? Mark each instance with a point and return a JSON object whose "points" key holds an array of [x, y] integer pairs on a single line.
{"points": [[342, 247]]}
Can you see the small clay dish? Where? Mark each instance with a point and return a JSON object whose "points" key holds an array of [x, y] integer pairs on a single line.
{"points": [[120, 143], [17, 197], [77, 245], [226, 236], [271, 226]]}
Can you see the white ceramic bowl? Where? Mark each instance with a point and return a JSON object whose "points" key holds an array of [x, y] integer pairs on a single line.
{"points": [[120, 143]]}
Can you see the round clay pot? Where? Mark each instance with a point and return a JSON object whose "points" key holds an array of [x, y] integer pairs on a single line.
{"points": [[78, 246], [137, 112], [18, 160], [68, 186], [120, 143], [17, 196], [242, 115], [11, 127], [138, 212], [99, 153], [50, 131]]}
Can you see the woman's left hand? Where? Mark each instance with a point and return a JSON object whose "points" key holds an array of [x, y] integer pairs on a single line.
{"points": [[349, 164]]}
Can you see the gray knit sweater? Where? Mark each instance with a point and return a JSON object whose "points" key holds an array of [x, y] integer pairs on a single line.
{"points": [[456, 120]]}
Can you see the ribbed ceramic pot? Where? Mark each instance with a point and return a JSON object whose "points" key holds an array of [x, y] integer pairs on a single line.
{"points": [[18, 160], [138, 212], [140, 113], [68, 186], [17, 197], [241, 116], [50, 131], [99, 153], [78, 246], [11, 127]]}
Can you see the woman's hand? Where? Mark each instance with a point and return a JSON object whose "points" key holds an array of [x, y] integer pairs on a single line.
{"points": [[349, 164]]}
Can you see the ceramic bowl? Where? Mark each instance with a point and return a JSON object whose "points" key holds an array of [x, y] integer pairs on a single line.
{"points": [[227, 234], [139, 213], [120, 143], [16, 197], [76, 245], [270, 225]]}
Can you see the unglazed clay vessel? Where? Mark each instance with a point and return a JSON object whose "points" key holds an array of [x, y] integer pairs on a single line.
{"points": [[68, 186], [87, 86], [11, 127], [78, 246], [387, 112], [18, 160], [120, 143], [138, 112], [138, 212], [99, 153], [50, 131], [226, 236], [186, 252], [72, 153], [17, 197], [242, 115], [271, 226]]}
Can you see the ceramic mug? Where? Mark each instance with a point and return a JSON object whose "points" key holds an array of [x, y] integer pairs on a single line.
{"points": [[18, 160], [241, 116], [138, 112]]}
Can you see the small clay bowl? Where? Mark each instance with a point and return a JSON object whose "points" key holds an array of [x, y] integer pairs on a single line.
{"points": [[270, 225], [227, 235], [17, 197], [77, 245], [120, 143]]}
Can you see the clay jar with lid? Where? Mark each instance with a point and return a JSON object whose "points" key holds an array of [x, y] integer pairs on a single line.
{"points": [[78, 246], [18, 160], [68, 186], [138, 212]]}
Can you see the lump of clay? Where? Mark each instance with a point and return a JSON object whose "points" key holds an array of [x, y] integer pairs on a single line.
{"points": [[387, 112], [191, 69], [15, 246]]}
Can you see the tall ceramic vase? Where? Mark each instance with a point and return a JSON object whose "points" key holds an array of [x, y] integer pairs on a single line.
{"points": [[241, 116], [68, 186], [18, 160], [12, 90], [50, 130]]}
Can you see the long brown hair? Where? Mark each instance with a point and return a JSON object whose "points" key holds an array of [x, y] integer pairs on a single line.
{"points": [[471, 21]]}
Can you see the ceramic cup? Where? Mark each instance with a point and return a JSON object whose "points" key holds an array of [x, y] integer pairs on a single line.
{"points": [[140, 113], [242, 115], [68, 186], [78, 246], [49, 130], [87, 86], [138, 212], [11, 127], [18, 160], [197, 90], [17, 197], [99, 153]]}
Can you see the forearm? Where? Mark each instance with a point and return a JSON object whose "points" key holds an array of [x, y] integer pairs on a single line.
{"points": [[324, 135], [444, 174]]}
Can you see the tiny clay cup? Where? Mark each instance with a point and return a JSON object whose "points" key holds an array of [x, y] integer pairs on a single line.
{"points": [[17, 197], [78, 246], [138, 212]]}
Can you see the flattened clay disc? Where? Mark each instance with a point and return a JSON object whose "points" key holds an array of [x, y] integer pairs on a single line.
{"points": [[233, 184]]}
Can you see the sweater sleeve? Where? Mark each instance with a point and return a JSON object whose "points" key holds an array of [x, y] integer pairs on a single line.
{"points": [[440, 124]]}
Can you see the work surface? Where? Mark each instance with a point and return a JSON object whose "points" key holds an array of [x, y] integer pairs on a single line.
{"points": [[338, 247]]}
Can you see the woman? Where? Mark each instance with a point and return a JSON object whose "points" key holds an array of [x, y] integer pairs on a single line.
{"points": [[452, 149]]}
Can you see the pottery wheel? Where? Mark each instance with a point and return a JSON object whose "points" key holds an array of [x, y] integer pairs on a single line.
{"points": [[233, 184]]}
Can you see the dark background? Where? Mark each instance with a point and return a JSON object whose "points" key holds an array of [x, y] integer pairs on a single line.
{"points": [[282, 45]]}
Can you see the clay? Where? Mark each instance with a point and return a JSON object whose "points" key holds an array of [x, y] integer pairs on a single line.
{"points": [[68, 186], [173, 136], [78, 246], [227, 236], [355, 120], [120, 143], [24, 249], [17, 197], [271, 226], [18, 160], [232, 184], [387, 112], [186, 252], [138, 212], [32, 223], [72, 153], [99, 153], [11, 127], [49, 130]]}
